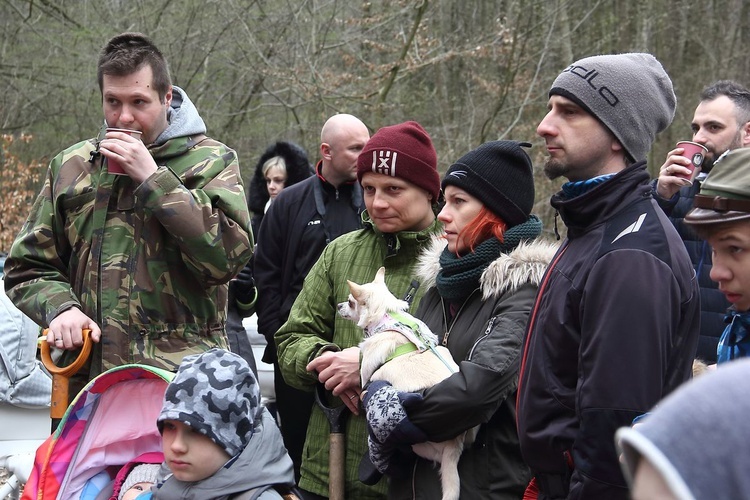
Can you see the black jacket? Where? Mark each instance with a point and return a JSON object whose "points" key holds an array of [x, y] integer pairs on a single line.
{"points": [[298, 168], [485, 339], [713, 303], [614, 329], [301, 221]]}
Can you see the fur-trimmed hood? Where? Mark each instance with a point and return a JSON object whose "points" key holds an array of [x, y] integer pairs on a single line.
{"points": [[526, 263], [298, 168]]}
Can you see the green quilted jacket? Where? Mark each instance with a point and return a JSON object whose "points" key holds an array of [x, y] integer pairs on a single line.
{"points": [[314, 326]]}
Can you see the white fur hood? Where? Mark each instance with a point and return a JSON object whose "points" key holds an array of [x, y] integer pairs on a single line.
{"points": [[525, 264]]}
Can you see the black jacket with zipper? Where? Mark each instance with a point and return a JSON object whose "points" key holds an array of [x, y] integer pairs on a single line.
{"points": [[614, 329]]}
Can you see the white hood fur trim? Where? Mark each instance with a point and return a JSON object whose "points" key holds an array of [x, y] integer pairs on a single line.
{"points": [[525, 264]]}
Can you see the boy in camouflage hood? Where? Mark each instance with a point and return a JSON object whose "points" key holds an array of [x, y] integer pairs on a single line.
{"points": [[142, 259], [218, 441]]}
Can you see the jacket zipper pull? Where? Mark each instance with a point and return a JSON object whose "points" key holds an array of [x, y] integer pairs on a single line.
{"points": [[409, 297]]}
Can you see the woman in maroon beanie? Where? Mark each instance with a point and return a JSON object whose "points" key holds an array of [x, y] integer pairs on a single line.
{"points": [[398, 172]]}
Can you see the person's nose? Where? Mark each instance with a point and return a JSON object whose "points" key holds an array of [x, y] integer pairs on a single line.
{"points": [[444, 216], [126, 115], [719, 272], [700, 137], [379, 201], [546, 126], [178, 444]]}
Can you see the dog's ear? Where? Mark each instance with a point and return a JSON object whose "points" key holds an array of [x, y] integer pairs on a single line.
{"points": [[380, 276], [356, 290]]}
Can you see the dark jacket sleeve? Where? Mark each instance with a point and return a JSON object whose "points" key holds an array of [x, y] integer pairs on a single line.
{"points": [[268, 271], [489, 375], [667, 205]]}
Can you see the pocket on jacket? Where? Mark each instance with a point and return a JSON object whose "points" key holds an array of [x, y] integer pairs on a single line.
{"points": [[78, 211], [166, 344]]}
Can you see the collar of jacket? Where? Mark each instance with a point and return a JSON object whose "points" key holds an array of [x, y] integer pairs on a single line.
{"points": [[602, 202], [396, 240]]}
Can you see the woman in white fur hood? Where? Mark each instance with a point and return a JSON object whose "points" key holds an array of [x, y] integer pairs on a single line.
{"points": [[482, 276]]}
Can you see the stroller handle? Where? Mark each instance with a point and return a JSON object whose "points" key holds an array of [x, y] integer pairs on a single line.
{"points": [[61, 374]]}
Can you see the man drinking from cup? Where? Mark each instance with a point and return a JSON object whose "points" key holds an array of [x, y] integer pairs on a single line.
{"points": [[142, 260], [721, 122]]}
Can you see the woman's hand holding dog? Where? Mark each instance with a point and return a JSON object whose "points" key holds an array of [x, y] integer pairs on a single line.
{"points": [[339, 372]]}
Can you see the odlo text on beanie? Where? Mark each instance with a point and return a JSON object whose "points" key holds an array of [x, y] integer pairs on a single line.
{"points": [[630, 94]]}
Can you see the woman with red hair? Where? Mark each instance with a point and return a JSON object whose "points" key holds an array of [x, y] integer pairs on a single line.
{"points": [[482, 276]]}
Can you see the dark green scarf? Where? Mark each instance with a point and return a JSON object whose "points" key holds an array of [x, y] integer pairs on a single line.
{"points": [[459, 276]]}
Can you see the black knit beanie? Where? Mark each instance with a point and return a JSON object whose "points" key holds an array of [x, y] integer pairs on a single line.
{"points": [[499, 174]]}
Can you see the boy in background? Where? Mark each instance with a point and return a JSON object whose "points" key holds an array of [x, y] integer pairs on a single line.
{"points": [[721, 215]]}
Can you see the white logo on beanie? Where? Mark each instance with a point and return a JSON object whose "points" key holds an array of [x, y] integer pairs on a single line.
{"points": [[386, 164], [458, 174]]}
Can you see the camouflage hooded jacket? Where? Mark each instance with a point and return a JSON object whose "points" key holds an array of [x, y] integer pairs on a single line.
{"points": [[149, 263]]}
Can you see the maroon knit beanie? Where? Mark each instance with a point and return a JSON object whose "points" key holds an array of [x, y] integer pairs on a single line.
{"points": [[404, 151]]}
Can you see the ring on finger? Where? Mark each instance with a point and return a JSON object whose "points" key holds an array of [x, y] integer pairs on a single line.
{"points": [[352, 396]]}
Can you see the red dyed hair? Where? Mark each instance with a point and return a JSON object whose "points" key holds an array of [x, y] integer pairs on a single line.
{"points": [[485, 225]]}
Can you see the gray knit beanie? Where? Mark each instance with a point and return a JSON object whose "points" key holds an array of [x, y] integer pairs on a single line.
{"points": [[144, 473], [697, 437], [217, 395], [630, 94], [499, 174]]}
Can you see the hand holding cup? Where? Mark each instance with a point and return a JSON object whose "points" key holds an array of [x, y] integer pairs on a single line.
{"points": [[695, 153], [113, 166]]}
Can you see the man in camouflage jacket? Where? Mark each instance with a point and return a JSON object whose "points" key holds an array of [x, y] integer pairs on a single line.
{"points": [[142, 259]]}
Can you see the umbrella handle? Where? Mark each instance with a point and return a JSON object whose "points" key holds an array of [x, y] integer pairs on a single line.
{"points": [[62, 374]]}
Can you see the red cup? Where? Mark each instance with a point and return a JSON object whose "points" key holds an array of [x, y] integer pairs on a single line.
{"points": [[113, 166], [695, 153]]}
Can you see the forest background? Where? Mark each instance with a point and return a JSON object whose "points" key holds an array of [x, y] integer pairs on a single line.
{"points": [[469, 71]]}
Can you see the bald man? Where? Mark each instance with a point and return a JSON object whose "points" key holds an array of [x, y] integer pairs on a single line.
{"points": [[303, 219]]}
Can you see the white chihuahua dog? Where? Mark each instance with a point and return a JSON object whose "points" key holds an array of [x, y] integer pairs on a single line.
{"points": [[401, 350]]}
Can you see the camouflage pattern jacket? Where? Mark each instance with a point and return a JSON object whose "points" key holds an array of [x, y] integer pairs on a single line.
{"points": [[149, 263], [314, 327]]}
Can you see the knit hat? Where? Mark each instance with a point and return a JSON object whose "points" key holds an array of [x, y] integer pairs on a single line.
{"points": [[499, 174], [404, 151], [696, 437], [217, 395], [725, 193], [630, 94], [144, 473]]}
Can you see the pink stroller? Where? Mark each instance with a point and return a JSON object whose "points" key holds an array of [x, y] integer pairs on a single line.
{"points": [[111, 422]]}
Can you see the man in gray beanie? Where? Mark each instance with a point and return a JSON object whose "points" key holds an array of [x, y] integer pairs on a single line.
{"points": [[616, 320]]}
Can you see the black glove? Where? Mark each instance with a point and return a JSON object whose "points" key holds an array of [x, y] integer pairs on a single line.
{"points": [[243, 287]]}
